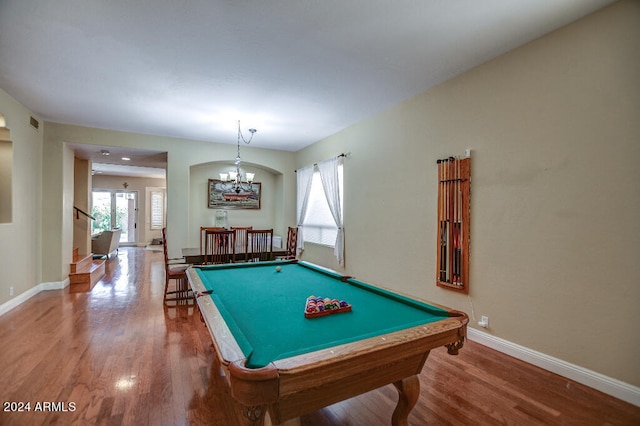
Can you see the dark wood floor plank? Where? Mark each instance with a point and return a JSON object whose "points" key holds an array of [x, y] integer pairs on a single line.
{"points": [[124, 358]]}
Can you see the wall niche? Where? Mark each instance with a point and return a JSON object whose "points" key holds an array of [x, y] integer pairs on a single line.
{"points": [[6, 172]]}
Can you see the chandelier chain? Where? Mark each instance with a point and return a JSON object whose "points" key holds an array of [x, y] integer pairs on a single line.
{"points": [[241, 136]]}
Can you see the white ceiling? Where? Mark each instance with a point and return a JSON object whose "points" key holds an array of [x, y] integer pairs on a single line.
{"points": [[117, 161], [297, 70]]}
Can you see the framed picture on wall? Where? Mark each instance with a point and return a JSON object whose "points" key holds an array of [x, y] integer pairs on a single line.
{"points": [[223, 195]]}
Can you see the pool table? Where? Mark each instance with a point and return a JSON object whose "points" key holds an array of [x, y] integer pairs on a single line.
{"points": [[278, 362]]}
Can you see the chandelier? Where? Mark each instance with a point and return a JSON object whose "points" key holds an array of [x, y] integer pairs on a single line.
{"points": [[234, 178]]}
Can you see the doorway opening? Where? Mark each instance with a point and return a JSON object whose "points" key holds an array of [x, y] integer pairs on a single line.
{"points": [[115, 209]]}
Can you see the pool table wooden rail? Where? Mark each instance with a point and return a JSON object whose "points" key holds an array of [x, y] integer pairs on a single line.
{"points": [[290, 387]]}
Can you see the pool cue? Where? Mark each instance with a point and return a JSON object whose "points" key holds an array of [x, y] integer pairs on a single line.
{"points": [[451, 167], [458, 223], [450, 224], [452, 221], [439, 275], [441, 223], [454, 224], [462, 224], [447, 223]]}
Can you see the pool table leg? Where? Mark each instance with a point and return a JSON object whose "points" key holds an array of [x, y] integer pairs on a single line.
{"points": [[259, 415], [253, 390], [290, 422], [408, 392], [253, 415]]}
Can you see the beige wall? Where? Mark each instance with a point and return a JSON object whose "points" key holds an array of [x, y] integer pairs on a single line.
{"points": [[554, 129], [82, 200], [20, 239]]}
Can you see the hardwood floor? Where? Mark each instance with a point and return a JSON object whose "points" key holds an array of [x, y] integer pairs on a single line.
{"points": [[117, 356]]}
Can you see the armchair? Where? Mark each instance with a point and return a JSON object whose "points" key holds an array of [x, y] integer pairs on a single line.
{"points": [[106, 243]]}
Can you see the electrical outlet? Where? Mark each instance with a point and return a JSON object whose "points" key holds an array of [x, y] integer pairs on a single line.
{"points": [[10, 291], [484, 322]]}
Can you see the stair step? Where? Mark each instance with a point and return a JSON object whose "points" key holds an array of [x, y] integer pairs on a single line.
{"points": [[81, 262], [84, 279]]}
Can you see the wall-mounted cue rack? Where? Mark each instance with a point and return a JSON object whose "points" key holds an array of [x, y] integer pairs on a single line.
{"points": [[454, 190]]}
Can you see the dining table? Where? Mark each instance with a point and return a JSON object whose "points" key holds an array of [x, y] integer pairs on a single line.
{"points": [[194, 256]]}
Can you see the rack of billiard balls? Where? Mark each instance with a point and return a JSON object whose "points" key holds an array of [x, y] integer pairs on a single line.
{"points": [[317, 306]]}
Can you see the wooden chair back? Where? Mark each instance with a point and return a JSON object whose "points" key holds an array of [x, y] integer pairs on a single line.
{"points": [[260, 245], [241, 241], [219, 246], [164, 247], [203, 235], [292, 243], [180, 292]]}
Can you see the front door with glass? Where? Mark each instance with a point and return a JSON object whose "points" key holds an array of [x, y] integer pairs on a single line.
{"points": [[115, 209]]}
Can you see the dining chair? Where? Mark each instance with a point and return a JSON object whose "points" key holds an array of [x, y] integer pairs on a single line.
{"points": [[174, 272], [260, 245], [203, 235], [241, 242], [219, 246], [292, 243]]}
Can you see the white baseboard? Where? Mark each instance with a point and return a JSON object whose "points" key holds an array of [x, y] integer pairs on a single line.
{"points": [[23, 297], [55, 285], [608, 385]]}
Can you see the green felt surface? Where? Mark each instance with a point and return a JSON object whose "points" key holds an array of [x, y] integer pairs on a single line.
{"points": [[265, 309]]}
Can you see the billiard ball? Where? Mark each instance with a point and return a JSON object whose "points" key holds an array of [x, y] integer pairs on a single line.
{"points": [[278, 269]]}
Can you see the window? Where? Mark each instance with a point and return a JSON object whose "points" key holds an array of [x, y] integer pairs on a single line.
{"points": [[319, 225], [157, 209], [454, 190]]}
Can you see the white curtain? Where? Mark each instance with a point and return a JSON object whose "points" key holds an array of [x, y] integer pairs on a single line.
{"points": [[304, 178], [330, 182]]}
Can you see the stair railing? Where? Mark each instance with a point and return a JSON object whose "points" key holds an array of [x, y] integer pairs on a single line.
{"points": [[78, 211]]}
